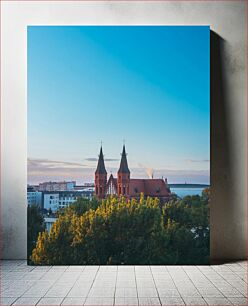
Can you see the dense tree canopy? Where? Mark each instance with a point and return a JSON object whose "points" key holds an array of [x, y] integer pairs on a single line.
{"points": [[35, 225], [116, 231]]}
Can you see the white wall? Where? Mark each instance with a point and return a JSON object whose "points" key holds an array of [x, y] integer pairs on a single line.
{"points": [[34, 198], [228, 145], [51, 200]]}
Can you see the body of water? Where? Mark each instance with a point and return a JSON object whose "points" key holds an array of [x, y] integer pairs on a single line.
{"points": [[182, 192]]}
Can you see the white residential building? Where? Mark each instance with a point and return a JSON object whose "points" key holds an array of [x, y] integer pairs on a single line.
{"points": [[51, 201], [60, 199], [57, 186], [49, 222], [68, 197], [34, 198]]}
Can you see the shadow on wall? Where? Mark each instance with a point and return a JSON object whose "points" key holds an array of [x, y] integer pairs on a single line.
{"points": [[221, 206]]}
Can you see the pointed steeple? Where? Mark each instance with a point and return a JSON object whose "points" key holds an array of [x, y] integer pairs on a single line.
{"points": [[101, 166], [123, 165]]}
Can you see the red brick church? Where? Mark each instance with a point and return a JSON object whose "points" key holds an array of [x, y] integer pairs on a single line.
{"points": [[123, 185]]}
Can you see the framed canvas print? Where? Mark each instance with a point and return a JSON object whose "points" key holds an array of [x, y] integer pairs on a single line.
{"points": [[118, 145]]}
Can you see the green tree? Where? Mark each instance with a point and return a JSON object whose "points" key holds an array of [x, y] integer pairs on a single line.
{"points": [[117, 231], [80, 206], [35, 225], [206, 194], [187, 224]]}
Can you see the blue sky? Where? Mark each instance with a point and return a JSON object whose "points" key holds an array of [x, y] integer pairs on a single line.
{"points": [[149, 85]]}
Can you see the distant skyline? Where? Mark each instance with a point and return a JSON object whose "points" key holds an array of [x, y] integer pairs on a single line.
{"points": [[149, 85]]}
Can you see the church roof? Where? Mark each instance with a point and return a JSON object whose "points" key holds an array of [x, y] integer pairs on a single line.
{"points": [[150, 187], [101, 166], [123, 165]]}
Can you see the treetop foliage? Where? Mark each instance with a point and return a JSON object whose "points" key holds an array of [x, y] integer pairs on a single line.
{"points": [[116, 231]]}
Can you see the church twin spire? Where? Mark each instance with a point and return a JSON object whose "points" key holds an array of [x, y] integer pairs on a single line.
{"points": [[123, 165], [101, 166], [123, 177]]}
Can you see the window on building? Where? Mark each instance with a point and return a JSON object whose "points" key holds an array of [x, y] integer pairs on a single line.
{"points": [[100, 190], [124, 190]]}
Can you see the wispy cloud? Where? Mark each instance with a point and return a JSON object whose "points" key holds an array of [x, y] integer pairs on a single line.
{"points": [[47, 163], [173, 175], [197, 160], [41, 170], [93, 159]]}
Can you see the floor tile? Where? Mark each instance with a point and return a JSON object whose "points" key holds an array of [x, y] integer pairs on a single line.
{"points": [[239, 301], [79, 291], [123, 301], [145, 282], [11, 293], [192, 292], [5, 301], [88, 269], [104, 283], [99, 301], [210, 292], [42, 268], [126, 274], [164, 283], [27, 301], [217, 301], [126, 269], [58, 291], [73, 301], [37, 291], [58, 268], [108, 268], [75, 268], [164, 292], [102, 292], [194, 301], [166, 301], [230, 292], [50, 301], [125, 283], [149, 301], [126, 292], [147, 292]]}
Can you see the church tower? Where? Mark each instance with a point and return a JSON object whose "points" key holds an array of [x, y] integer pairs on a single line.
{"points": [[100, 177], [123, 178]]}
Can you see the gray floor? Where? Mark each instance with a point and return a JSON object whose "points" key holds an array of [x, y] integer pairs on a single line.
{"points": [[123, 285]]}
